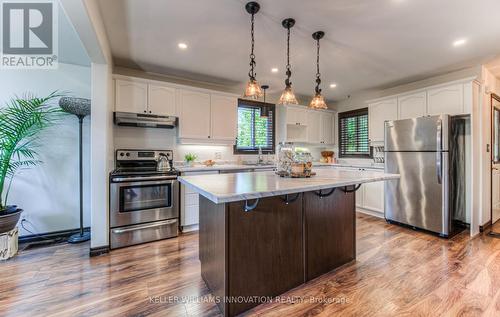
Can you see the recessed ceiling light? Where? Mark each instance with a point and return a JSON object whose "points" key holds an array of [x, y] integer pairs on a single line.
{"points": [[182, 46], [333, 85], [274, 70], [459, 42]]}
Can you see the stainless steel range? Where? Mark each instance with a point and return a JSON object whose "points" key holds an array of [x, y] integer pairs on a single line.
{"points": [[144, 195]]}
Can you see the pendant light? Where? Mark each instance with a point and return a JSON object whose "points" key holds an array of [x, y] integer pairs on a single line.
{"points": [[318, 102], [253, 89], [288, 97], [264, 110]]}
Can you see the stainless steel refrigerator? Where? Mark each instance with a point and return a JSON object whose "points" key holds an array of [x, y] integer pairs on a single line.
{"points": [[429, 153]]}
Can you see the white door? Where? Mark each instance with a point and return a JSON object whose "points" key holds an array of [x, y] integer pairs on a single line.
{"points": [[373, 196], [378, 113], [446, 100], [224, 117], [412, 106], [131, 96], [194, 114], [314, 126], [327, 128], [161, 100], [495, 199]]}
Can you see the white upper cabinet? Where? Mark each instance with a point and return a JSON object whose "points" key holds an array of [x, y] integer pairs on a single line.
{"points": [[194, 114], [378, 113], [131, 96], [327, 124], [296, 115], [446, 100], [224, 117], [161, 100], [314, 131], [303, 125], [412, 106]]}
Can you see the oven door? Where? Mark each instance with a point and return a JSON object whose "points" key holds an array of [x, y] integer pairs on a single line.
{"points": [[134, 202]]}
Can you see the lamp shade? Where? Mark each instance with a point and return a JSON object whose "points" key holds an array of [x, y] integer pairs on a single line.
{"points": [[76, 106]]}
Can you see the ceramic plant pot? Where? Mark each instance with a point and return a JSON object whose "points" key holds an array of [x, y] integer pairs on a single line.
{"points": [[9, 218]]}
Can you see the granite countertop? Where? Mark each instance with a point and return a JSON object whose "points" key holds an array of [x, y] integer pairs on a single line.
{"points": [[221, 167], [222, 188], [378, 166]]}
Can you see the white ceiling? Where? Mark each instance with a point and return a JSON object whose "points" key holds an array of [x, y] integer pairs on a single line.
{"points": [[368, 44], [71, 50]]}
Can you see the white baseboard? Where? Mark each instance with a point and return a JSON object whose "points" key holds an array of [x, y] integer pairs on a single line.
{"points": [[190, 228], [370, 212]]}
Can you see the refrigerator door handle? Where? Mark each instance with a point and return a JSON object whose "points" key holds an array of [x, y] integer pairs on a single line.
{"points": [[439, 148]]}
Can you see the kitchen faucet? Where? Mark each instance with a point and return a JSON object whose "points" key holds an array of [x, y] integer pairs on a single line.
{"points": [[260, 160]]}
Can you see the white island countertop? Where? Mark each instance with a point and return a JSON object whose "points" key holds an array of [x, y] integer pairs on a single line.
{"points": [[223, 188]]}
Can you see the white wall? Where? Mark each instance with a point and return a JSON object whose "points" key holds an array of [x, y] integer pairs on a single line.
{"points": [[101, 153], [49, 193]]}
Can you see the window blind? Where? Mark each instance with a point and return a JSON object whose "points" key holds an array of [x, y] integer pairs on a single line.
{"points": [[353, 134], [254, 131]]}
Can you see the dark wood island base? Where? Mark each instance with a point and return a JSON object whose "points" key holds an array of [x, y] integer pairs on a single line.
{"points": [[283, 242]]}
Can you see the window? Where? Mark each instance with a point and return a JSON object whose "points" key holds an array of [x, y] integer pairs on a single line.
{"points": [[353, 133], [254, 131]]}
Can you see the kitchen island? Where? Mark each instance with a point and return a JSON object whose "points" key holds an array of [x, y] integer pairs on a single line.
{"points": [[261, 234]]}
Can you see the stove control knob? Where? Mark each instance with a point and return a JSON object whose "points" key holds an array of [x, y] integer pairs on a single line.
{"points": [[128, 154], [121, 154]]}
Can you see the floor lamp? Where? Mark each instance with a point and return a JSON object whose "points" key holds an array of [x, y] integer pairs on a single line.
{"points": [[81, 108]]}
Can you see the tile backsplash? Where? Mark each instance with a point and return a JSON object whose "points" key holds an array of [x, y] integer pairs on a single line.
{"points": [[158, 139]]}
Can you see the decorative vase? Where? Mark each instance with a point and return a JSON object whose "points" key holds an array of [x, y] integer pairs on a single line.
{"points": [[9, 218], [9, 244]]}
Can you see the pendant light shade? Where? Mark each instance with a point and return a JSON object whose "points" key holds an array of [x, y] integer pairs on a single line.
{"points": [[318, 101], [288, 97], [253, 89]]}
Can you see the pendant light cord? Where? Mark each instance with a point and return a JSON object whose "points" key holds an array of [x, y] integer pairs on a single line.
{"points": [[318, 74], [252, 74], [288, 66]]}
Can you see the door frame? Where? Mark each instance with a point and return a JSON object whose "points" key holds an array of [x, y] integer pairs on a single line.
{"points": [[490, 232]]}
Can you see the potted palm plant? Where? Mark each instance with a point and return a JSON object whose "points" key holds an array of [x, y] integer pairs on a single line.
{"points": [[21, 122]]}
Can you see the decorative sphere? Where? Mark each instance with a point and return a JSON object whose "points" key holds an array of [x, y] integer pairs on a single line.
{"points": [[76, 106]]}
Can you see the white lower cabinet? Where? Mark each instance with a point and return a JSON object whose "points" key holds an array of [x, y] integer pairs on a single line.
{"points": [[190, 202], [373, 196], [370, 197]]}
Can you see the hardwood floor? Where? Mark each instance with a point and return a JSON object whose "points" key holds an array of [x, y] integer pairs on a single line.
{"points": [[397, 272]]}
